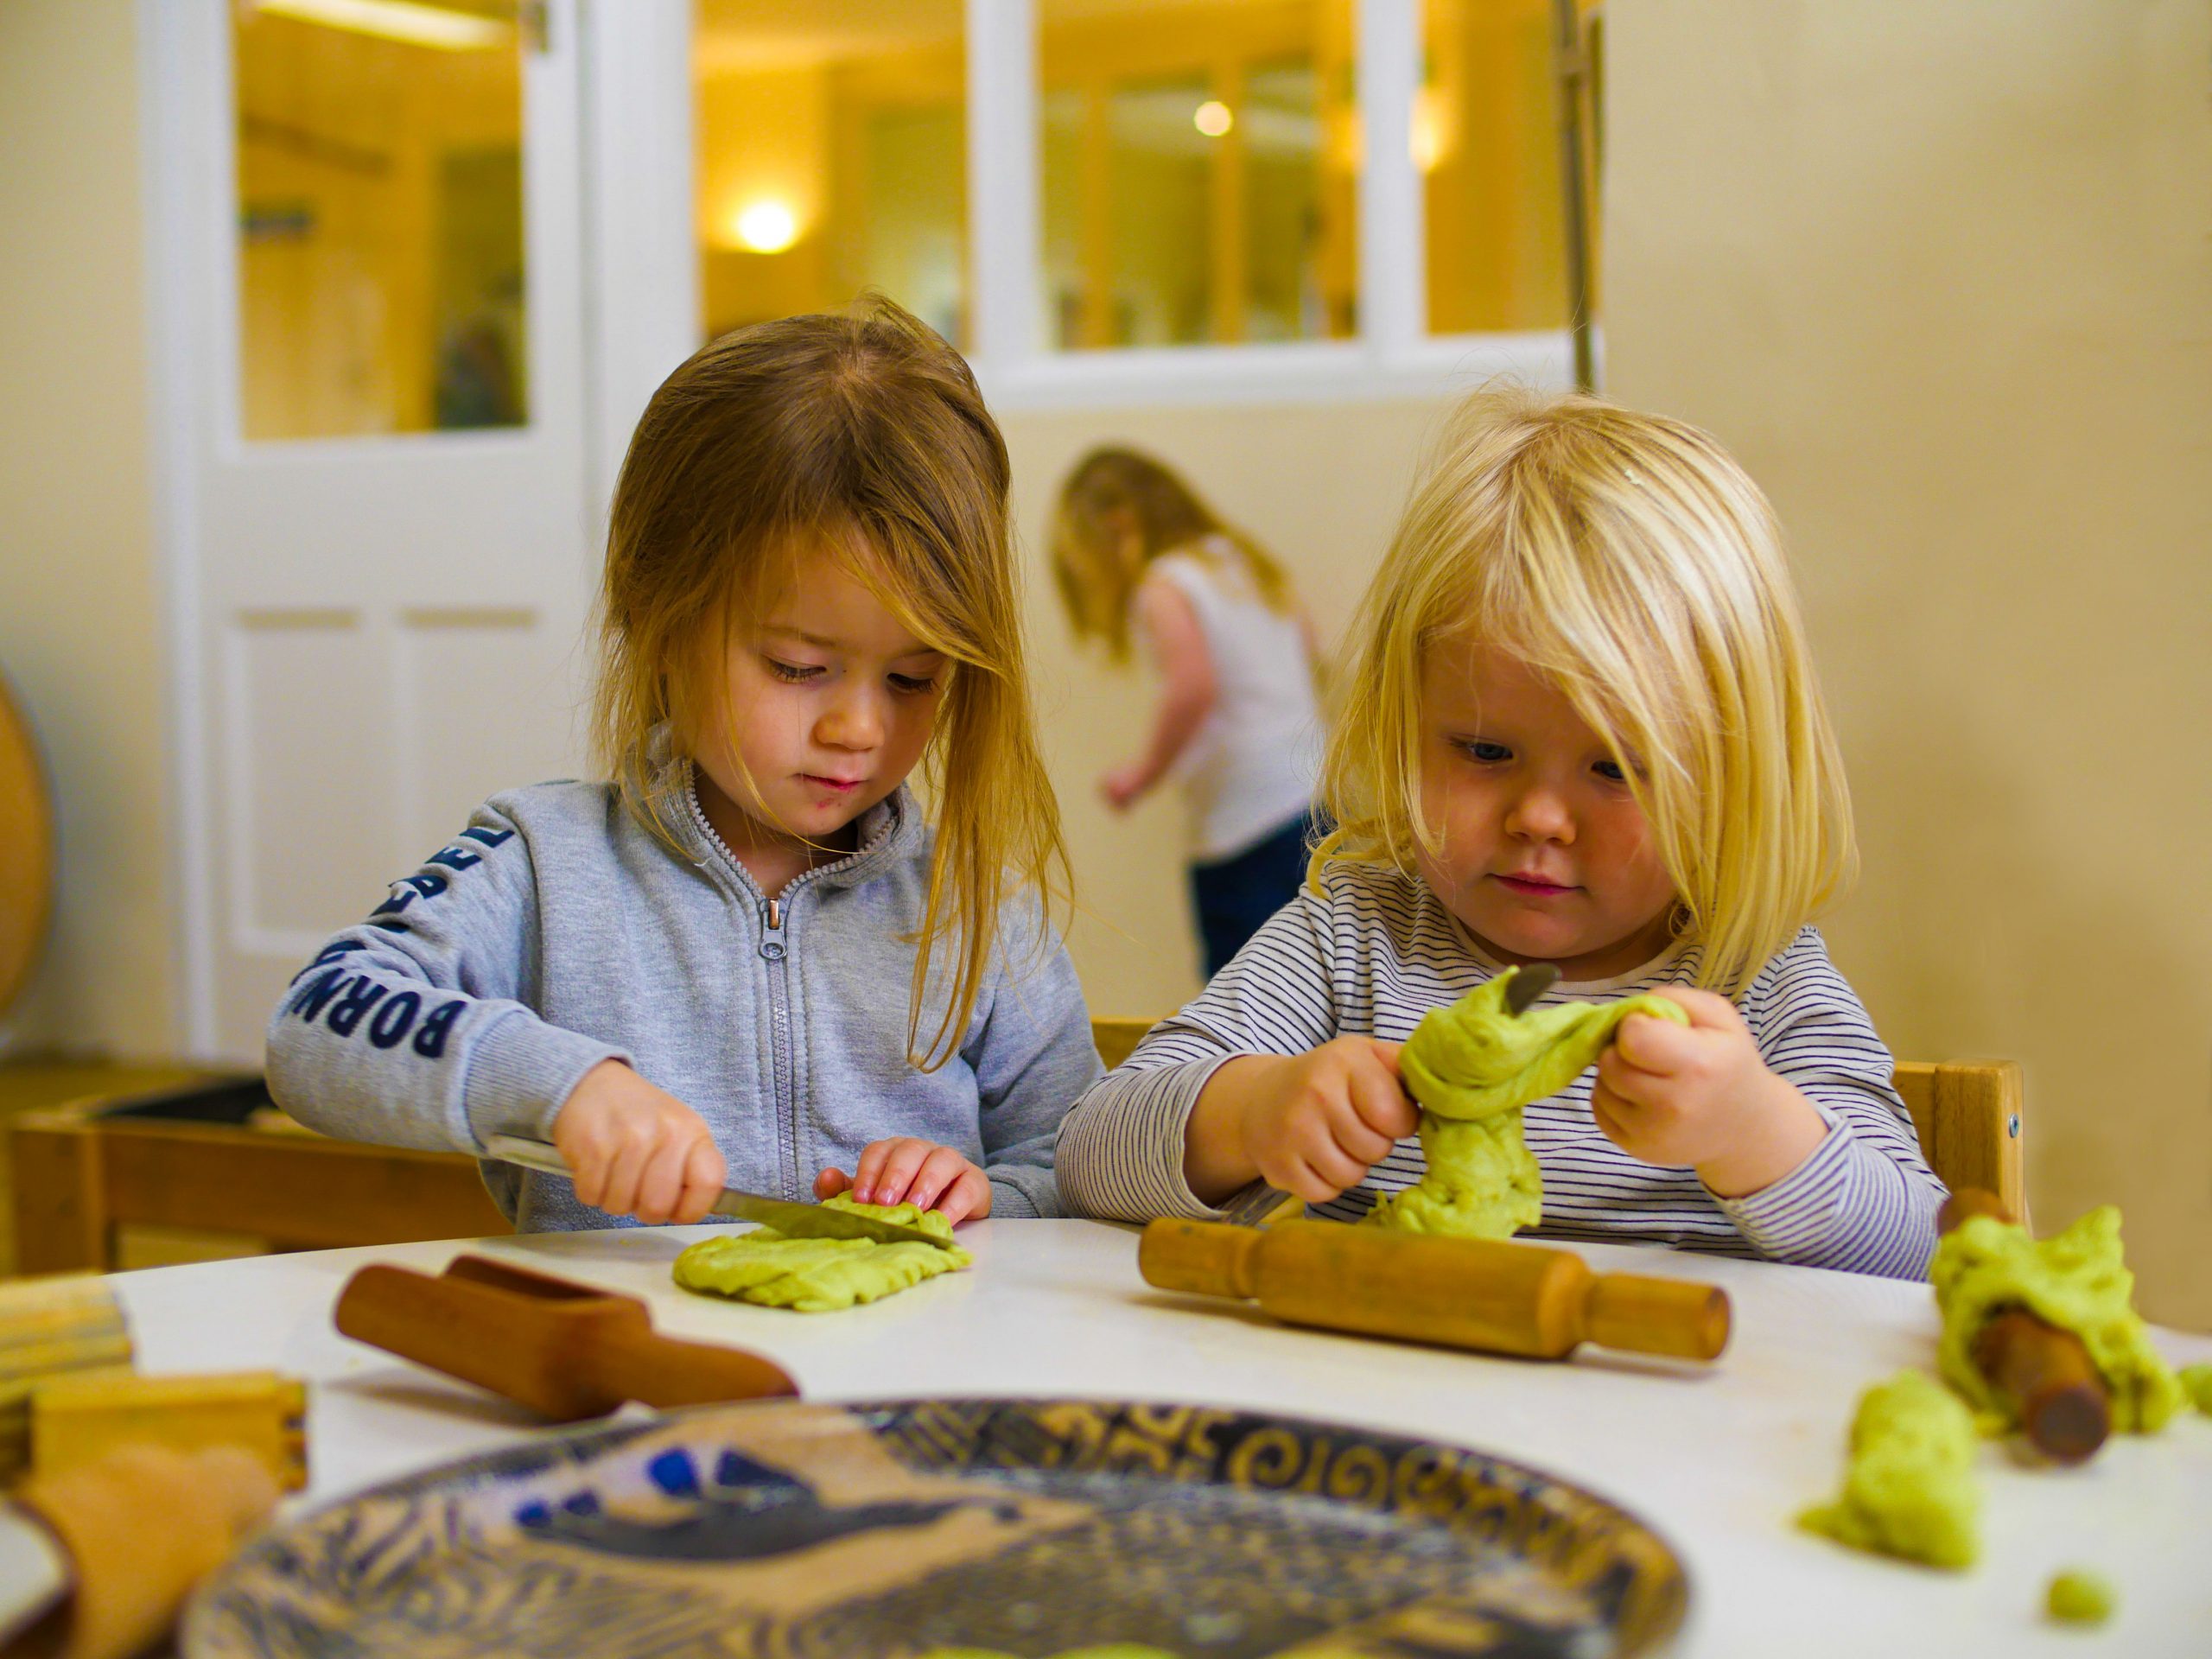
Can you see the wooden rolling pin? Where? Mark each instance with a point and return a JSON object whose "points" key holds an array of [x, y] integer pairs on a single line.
{"points": [[1499, 1297], [2044, 1374], [565, 1349]]}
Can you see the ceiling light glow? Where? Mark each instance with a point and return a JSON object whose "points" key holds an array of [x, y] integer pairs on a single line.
{"points": [[1213, 117], [766, 226]]}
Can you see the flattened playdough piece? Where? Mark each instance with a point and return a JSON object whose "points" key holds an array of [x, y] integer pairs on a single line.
{"points": [[1910, 1490], [2080, 1598], [1473, 1067], [2075, 1279], [819, 1275], [2197, 1381]]}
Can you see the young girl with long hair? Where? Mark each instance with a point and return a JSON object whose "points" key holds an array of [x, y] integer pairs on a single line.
{"points": [[750, 958], [1581, 727], [1137, 553]]}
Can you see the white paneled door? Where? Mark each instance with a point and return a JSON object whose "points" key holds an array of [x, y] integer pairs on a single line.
{"points": [[378, 512]]}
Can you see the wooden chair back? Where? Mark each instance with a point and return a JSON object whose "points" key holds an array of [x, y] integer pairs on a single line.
{"points": [[1966, 1114]]}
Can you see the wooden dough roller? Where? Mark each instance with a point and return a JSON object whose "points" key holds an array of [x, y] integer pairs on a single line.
{"points": [[567, 1350], [2043, 1373], [1495, 1296]]}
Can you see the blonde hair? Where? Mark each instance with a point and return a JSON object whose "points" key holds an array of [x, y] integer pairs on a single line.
{"points": [[863, 438], [1628, 560], [1118, 512]]}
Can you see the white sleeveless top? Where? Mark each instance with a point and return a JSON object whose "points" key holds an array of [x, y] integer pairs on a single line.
{"points": [[1250, 769]]}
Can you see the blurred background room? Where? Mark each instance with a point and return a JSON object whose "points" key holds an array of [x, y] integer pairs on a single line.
{"points": [[326, 322]]}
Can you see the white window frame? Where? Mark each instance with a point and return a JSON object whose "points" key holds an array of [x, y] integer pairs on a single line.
{"points": [[1392, 354], [641, 277]]}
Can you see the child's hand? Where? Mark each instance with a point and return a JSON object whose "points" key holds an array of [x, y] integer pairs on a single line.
{"points": [[1702, 1096], [903, 1170], [637, 1150], [1121, 786], [1309, 1124]]}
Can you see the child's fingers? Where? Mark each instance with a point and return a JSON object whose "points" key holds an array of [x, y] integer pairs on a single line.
{"points": [[1287, 1172], [869, 1172], [969, 1195], [705, 1175], [660, 1181], [619, 1196], [900, 1165], [1318, 1151], [1708, 1011], [831, 1182], [1381, 1106], [1608, 1122], [587, 1174], [1648, 1044], [938, 1172]]}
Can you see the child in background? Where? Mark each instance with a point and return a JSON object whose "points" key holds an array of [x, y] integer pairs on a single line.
{"points": [[1582, 728], [748, 959], [1135, 550]]}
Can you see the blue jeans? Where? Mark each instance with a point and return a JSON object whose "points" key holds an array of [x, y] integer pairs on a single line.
{"points": [[1234, 895]]}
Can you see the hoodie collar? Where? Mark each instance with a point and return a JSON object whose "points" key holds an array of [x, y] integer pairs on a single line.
{"points": [[890, 832]]}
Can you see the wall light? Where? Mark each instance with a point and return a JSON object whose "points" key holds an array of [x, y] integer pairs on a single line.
{"points": [[766, 226], [416, 24], [1432, 132], [1213, 117]]}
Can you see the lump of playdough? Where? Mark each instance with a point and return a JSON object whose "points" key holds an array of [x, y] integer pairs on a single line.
{"points": [[1910, 1490], [1473, 1067], [2075, 1280], [818, 1275], [2196, 1382], [2080, 1597]]}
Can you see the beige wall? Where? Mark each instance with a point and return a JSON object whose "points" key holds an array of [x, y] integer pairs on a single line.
{"points": [[1941, 275], [79, 625], [1320, 487]]}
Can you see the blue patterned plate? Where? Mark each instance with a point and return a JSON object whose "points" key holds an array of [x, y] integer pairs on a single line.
{"points": [[898, 1530]]}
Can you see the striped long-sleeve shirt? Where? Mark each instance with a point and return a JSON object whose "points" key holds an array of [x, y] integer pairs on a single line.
{"points": [[1375, 950]]}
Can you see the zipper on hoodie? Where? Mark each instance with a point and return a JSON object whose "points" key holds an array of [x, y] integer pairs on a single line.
{"points": [[783, 1062]]}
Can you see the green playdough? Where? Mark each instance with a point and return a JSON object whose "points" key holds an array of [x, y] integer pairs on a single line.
{"points": [[2075, 1279], [818, 1275], [2080, 1598], [1910, 1490], [2196, 1382], [1473, 1067]]}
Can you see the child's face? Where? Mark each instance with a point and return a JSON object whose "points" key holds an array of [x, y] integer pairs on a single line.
{"points": [[831, 702], [1546, 856]]}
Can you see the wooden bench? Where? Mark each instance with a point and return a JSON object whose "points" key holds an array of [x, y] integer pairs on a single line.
{"points": [[220, 1159]]}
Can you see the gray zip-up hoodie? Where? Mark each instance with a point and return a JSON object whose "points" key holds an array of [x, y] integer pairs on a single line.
{"points": [[556, 931]]}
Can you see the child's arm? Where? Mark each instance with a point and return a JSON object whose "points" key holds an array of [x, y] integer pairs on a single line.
{"points": [[410, 1030], [1137, 1146], [1031, 1054], [1033, 1058], [1787, 1115], [1311, 1124], [1187, 689]]}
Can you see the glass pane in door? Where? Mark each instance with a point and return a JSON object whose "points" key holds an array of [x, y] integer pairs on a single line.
{"points": [[1198, 160], [832, 158], [381, 278]]}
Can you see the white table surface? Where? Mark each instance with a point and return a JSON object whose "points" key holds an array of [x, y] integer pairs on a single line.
{"points": [[1717, 1458]]}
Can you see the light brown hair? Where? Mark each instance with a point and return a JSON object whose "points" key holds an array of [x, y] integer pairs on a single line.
{"points": [[1628, 559], [1118, 512], [860, 437]]}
